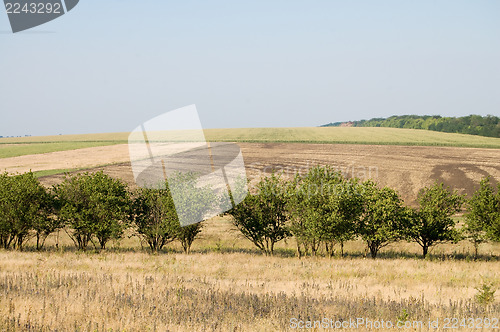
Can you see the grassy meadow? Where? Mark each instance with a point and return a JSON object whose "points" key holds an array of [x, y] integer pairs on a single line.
{"points": [[18, 146]]}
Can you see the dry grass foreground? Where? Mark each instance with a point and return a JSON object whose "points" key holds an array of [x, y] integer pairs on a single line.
{"points": [[405, 168], [228, 292]]}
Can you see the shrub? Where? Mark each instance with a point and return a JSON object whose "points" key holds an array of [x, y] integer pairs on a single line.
{"points": [[25, 205], [93, 205], [324, 208], [382, 214], [262, 217], [431, 223]]}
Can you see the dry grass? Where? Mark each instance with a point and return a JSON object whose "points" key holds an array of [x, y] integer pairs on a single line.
{"points": [[225, 285]]}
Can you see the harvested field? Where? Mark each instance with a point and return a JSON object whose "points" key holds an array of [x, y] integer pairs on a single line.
{"points": [[405, 168], [72, 159]]}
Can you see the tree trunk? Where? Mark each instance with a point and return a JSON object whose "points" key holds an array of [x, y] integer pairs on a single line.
{"points": [[38, 241], [425, 250], [299, 251]]}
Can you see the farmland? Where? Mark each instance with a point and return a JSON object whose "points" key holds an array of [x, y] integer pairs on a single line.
{"points": [[17, 146], [226, 284]]}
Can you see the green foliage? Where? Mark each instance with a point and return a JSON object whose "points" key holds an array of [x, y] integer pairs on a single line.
{"points": [[403, 316], [48, 222], [431, 223], [22, 148], [383, 213], [94, 205], [485, 293], [481, 210], [262, 217], [483, 215], [154, 216], [324, 207], [157, 217], [25, 206], [488, 126], [192, 204]]}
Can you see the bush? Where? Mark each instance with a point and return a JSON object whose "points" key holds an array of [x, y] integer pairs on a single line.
{"points": [[25, 206], [262, 217], [431, 223], [324, 208], [94, 206], [156, 215], [153, 213], [383, 212]]}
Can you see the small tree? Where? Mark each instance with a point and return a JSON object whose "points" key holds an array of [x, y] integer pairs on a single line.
{"points": [[383, 212], [346, 206], [261, 217], [93, 204], [7, 232], [157, 215], [431, 223], [187, 234], [483, 215], [154, 217], [48, 222], [192, 204], [324, 208], [310, 211], [24, 203]]}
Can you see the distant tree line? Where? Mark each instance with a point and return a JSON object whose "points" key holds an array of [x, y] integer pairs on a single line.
{"points": [[321, 210], [488, 126]]}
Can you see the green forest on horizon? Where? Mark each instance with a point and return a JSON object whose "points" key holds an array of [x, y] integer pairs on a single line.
{"points": [[488, 126]]}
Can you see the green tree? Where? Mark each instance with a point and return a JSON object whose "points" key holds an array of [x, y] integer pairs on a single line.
{"points": [[193, 203], [154, 216], [158, 217], [432, 222], [382, 214], [480, 213], [93, 205], [262, 217], [7, 208], [24, 203], [483, 215], [48, 222], [310, 211], [324, 208]]}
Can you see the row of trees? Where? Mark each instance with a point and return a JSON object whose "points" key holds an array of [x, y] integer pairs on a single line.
{"points": [[471, 124], [323, 209], [91, 208]]}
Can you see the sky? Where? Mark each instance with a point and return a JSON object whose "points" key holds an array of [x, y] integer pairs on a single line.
{"points": [[108, 66]]}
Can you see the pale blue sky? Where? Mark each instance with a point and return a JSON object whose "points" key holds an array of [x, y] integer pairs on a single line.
{"points": [[110, 65]]}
